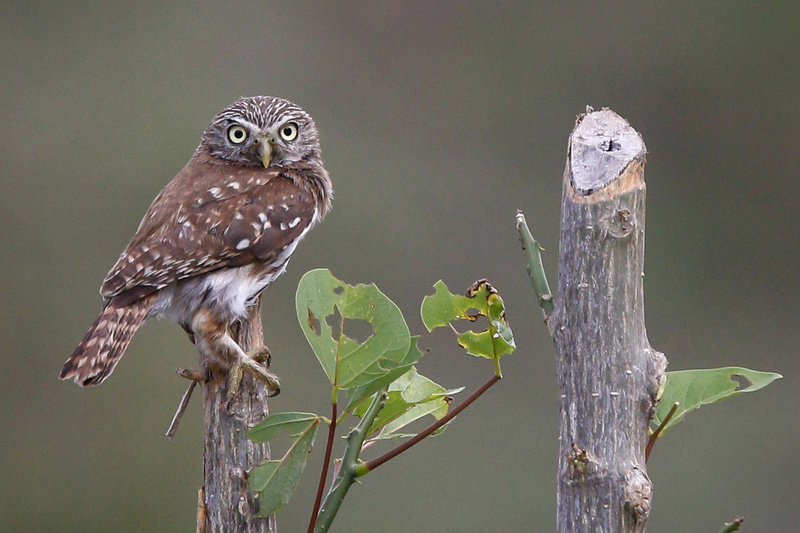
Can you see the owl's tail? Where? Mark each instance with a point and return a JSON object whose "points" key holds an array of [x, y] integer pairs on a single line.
{"points": [[104, 344]]}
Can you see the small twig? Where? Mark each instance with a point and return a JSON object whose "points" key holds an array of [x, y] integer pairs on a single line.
{"points": [[195, 377], [369, 466], [325, 464], [733, 526], [201, 510], [535, 267], [173, 426], [659, 429]]}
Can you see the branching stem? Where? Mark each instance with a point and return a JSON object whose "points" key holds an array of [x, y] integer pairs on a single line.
{"points": [[369, 466], [346, 476]]}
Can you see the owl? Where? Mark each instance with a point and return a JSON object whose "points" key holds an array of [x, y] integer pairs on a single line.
{"points": [[218, 234]]}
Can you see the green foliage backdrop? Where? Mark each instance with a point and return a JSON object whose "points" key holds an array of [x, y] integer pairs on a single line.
{"points": [[438, 121]]}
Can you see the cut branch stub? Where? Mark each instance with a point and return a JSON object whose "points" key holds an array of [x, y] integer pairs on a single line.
{"points": [[609, 375], [602, 147]]}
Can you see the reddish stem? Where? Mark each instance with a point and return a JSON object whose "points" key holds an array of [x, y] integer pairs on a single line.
{"points": [[324, 475], [659, 429], [452, 413]]}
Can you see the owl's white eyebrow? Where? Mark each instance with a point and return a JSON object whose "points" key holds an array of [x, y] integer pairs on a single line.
{"points": [[242, 122], [237, 118]]}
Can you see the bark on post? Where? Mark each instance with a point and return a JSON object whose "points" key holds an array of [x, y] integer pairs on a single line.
{"points": [[608, 374], [229, 504]]}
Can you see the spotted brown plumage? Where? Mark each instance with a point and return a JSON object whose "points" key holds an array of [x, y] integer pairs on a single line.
{"points": [[217, 235]]}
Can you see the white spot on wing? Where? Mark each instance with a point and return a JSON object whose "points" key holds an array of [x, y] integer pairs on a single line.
{"points": [[244, 243], [294, 222]]}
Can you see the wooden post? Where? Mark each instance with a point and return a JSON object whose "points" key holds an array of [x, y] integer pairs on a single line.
{"points": [[229, 504], [609, 376]]}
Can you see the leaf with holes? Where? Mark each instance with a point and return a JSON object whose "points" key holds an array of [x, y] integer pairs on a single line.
{"points": [[443, 307], [328, 309], [275, 480], [695, 388]]}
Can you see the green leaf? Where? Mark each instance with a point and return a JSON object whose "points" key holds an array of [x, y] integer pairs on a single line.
{"points": [[275, 480], [436, 407], [390, 371], [409, 398], [440, 308], [392, 436], [443, 307], [347, 362], [292, 423], [694, 388]]}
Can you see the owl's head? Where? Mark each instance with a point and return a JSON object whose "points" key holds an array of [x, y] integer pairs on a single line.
{"points": [[262, 131]]}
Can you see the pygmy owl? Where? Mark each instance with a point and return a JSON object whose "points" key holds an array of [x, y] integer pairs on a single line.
{"points": [[218, 234]]}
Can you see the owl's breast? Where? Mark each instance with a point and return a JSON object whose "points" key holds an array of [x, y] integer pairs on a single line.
{"points": [[228, 291]]}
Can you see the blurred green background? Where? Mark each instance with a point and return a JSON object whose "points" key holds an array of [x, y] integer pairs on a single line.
{"points": [[438, 120]]}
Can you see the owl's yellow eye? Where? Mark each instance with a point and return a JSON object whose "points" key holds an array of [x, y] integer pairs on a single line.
{"points": [[237, 134], [289, 131]]}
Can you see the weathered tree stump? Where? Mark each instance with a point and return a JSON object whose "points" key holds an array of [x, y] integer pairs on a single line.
{"points": [[609, 376], [230, 506]]}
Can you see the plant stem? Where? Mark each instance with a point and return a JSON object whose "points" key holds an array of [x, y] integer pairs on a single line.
{"points": [[346, 477], [452, 413], [657, 433], [535, 267], [326, 463], [733, 526]]}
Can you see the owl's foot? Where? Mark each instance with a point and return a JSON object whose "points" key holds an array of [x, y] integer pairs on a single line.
{"points": [[212, 338], [262, 355], [256, 363]]}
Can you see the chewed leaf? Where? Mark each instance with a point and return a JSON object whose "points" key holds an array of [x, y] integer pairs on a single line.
{"points": [[326, 307], [275, 480], [444, 307], [440, 308], [695, 388]]}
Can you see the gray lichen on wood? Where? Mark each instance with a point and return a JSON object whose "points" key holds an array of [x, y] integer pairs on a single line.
{"points": [[609, 375], [230, 505]]}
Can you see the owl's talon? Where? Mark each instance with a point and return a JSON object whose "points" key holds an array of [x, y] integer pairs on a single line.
{"points": [[258, 371], [262, 355]]}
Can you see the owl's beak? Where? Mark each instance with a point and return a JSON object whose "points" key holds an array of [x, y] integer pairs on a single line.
{"points": [[265, 143]]}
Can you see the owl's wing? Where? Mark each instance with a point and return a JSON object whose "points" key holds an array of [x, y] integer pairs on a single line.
{"points": [[196, 226]]}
